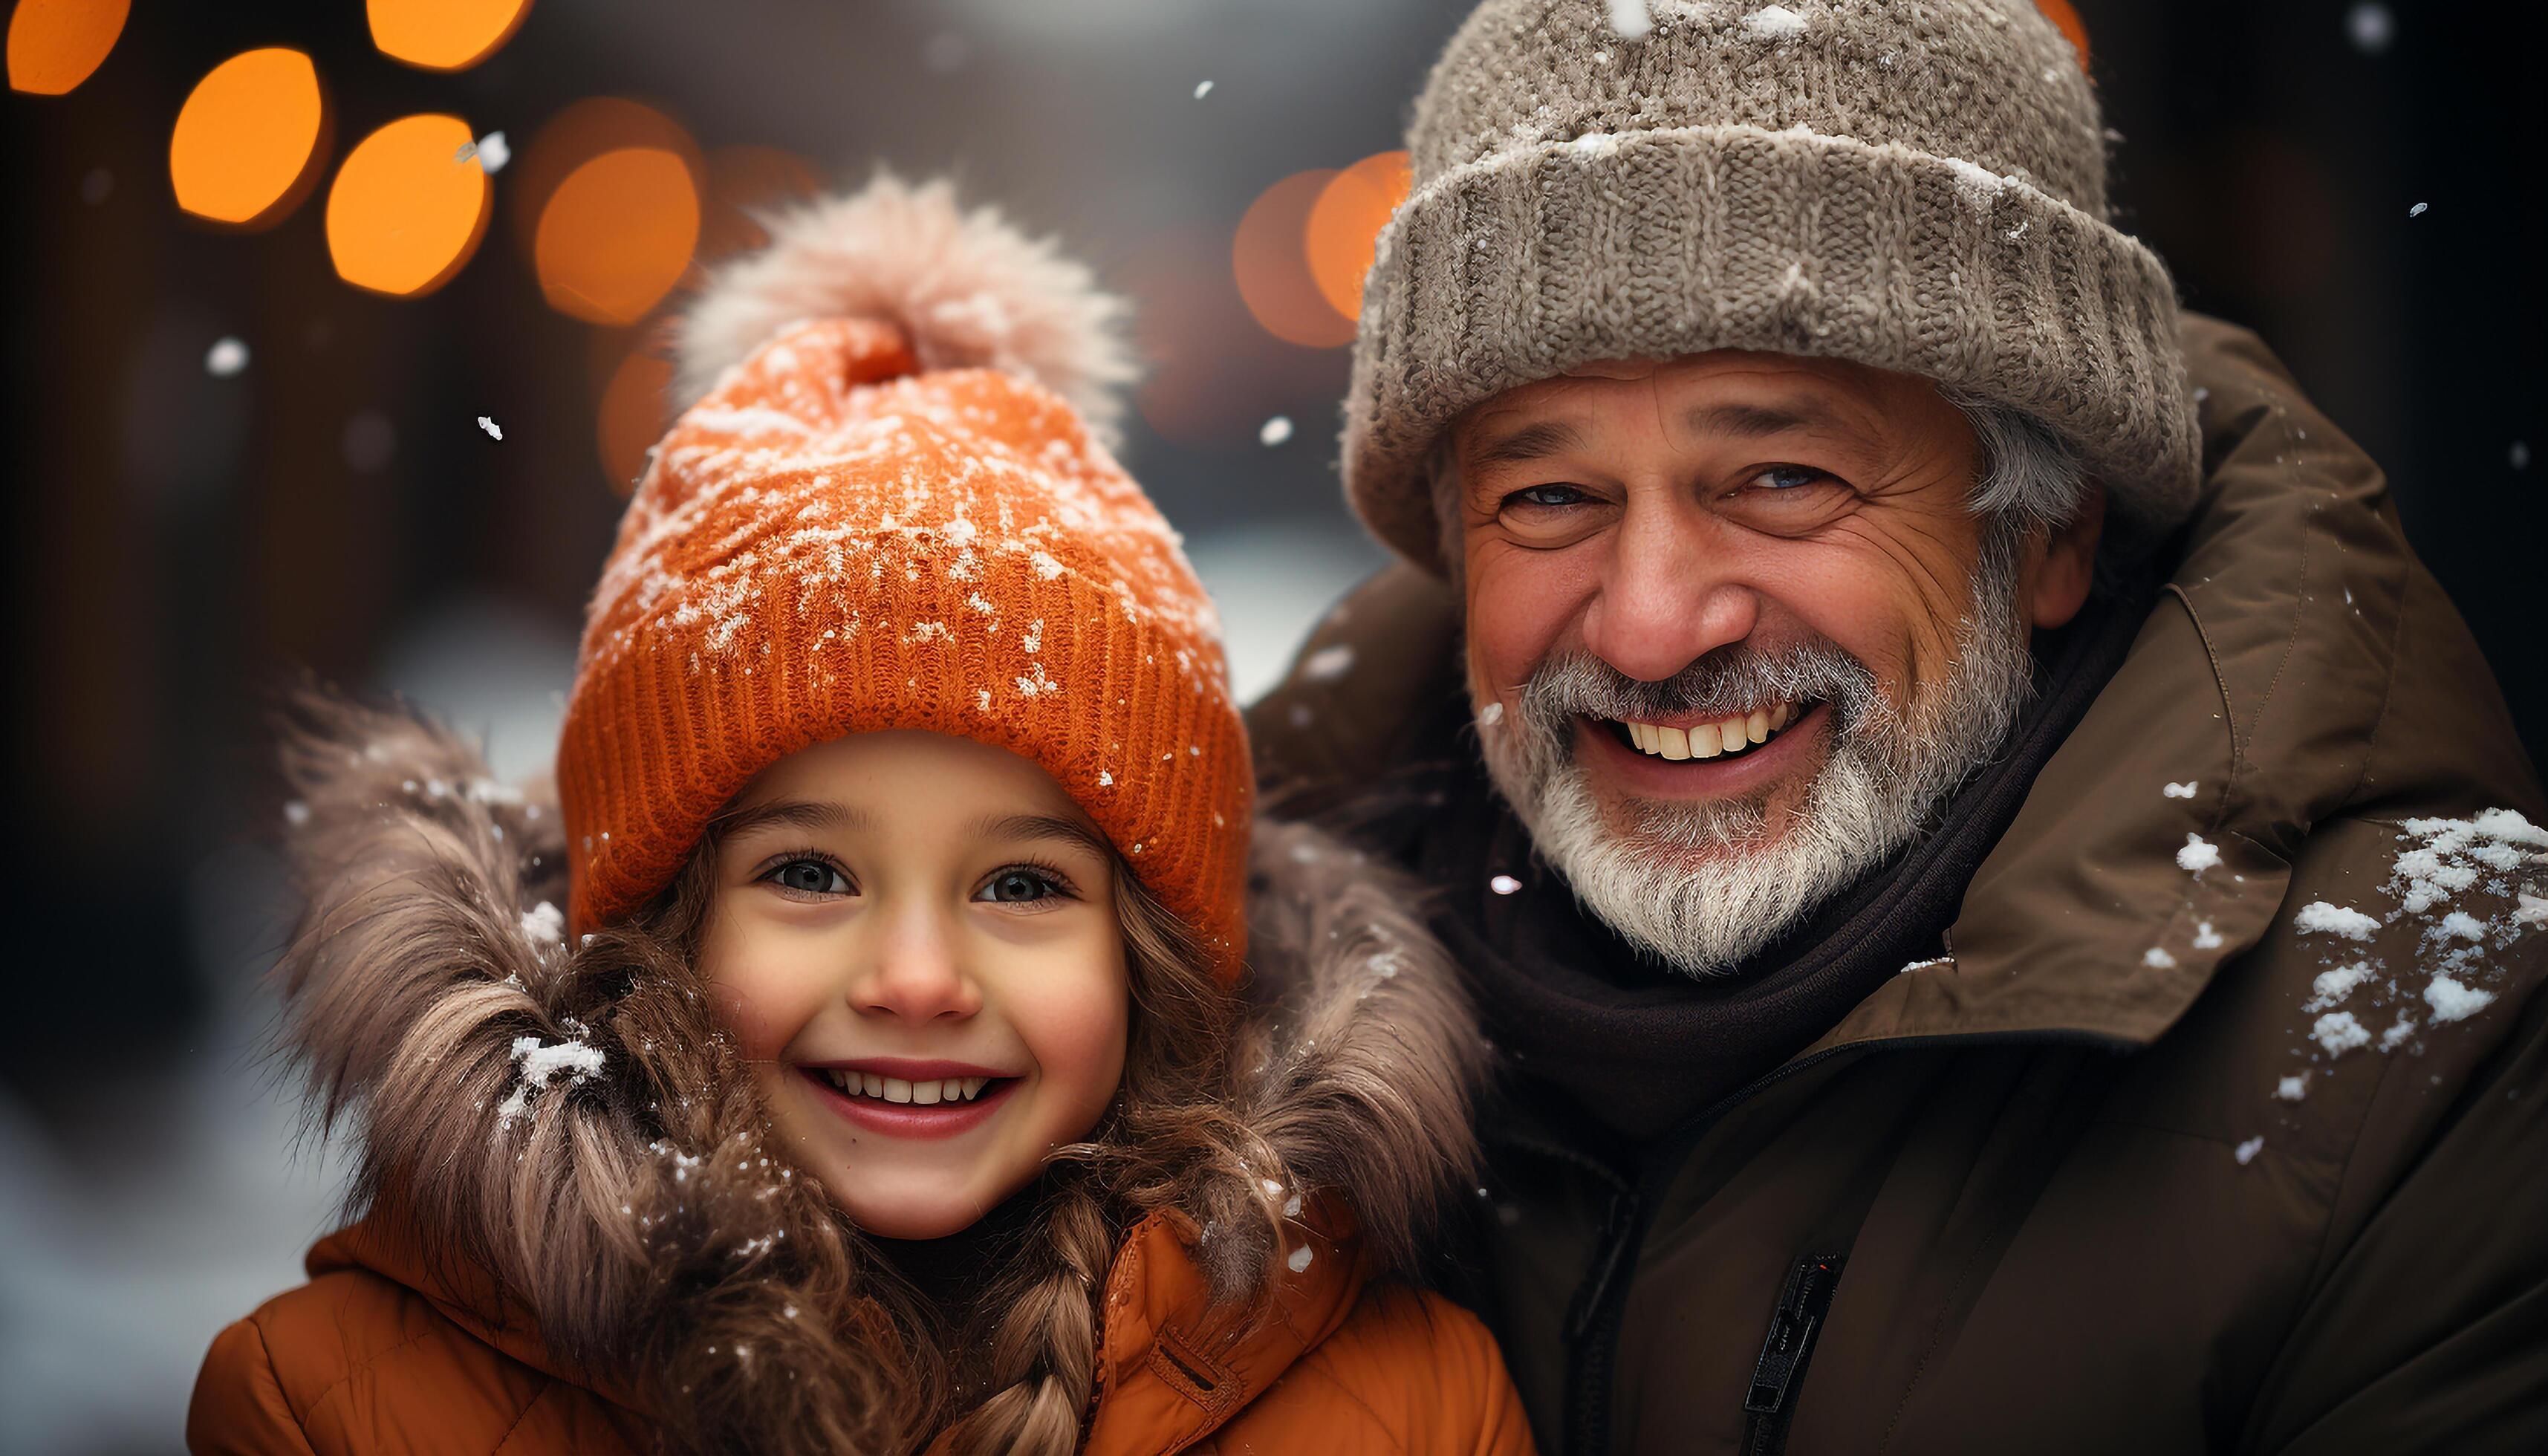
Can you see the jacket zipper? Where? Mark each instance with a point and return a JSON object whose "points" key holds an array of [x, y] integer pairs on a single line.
{"points": [[1600, 1304], [1785, 1349]]}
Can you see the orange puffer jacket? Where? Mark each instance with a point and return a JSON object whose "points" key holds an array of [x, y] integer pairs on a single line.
{"points": [[376, 1355], [421, 965]]}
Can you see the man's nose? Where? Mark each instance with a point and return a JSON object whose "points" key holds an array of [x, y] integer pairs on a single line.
{"points": [[1669, 592], [919, 974]]}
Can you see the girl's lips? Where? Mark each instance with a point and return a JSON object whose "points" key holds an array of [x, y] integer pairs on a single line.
{"points": [[909, 1119]]}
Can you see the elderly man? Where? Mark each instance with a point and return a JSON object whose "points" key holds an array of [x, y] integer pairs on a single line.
{"points": [[2007, 899]]}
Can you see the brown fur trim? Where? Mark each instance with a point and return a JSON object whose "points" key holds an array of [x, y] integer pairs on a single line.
{"points": [[572, 1120]]}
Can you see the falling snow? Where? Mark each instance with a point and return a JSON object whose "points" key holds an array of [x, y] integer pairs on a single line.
{"points": [[1490, 716], [1275, 431], [2183, 790], [2198, 854], [491, 151], [2419, 210], [544, 925], [2157, 958], [2292, 1088], [1300, 1259], [2370, 28], [225, 358], [1327, 664], [1202, 89], [2248, 1149], [1504, 884], [1630, 19], [494, 430]]}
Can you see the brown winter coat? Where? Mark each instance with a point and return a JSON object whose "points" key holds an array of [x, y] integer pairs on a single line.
{"points": [[417, 969], [2022, 1177]]}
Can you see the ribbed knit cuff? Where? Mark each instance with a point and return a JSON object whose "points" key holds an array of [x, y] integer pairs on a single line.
{"points": [[1657, 243]]}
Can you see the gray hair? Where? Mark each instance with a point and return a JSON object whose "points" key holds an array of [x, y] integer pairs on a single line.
{"points": [[2032, 479]]}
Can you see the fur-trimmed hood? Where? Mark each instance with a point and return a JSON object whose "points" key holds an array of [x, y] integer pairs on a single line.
{"points": [[559, 1138]]}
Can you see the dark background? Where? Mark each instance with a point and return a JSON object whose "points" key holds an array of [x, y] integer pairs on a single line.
{"points": [[180, 544]]}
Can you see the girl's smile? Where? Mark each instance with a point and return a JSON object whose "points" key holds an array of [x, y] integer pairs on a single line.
{"points": [[905, 1098]]}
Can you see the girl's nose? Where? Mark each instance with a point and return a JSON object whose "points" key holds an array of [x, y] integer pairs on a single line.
{"points": [[918, 976]]}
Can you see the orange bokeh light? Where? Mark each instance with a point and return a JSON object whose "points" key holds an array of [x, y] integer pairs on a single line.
{"points": [[444, 34], [632, 416], [575, 135], [55, 45], [405, 214], [2064, 15], [616, 234], [1344, 225], [246, 144], [1270, 260]]}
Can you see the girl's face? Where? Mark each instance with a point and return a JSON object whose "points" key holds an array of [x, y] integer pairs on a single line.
{"points": [[914, 938]]}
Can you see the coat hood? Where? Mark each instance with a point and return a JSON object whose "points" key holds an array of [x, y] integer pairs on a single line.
{"points": [[563, 1151]]}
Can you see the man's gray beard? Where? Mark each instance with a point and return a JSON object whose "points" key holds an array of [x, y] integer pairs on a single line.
{"points": [[1703, 886]]}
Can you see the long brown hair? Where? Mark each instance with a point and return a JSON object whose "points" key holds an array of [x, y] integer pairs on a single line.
{"points": [[1019, 1370]]}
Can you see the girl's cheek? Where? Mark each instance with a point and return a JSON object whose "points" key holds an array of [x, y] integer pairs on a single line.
{"points": [[1075, 1027], [758, 1001]]}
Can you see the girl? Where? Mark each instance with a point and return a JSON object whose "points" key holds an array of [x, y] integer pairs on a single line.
{"points": [[883, 1084]]}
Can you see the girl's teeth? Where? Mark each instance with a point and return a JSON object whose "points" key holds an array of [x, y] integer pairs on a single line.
{"points": [[894, 1089]]}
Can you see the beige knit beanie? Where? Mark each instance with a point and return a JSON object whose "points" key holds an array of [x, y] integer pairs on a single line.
{"points": [[1918, 185]]}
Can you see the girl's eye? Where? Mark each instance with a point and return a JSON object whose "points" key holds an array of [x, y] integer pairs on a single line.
{"points": [[1019, 884], [1787, 477], [812, 878]]}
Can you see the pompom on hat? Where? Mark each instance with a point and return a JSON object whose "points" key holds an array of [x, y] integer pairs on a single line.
{"points": [[891, 510]]}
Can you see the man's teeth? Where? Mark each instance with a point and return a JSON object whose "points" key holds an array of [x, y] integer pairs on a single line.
{"points": [[895, 1089], [1730, 735]]}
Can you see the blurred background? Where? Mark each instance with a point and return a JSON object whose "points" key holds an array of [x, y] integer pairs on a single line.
{"points": [[333, 343]]}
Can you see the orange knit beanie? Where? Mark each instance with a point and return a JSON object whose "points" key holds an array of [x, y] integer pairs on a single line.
{"points": [[888, 514]]}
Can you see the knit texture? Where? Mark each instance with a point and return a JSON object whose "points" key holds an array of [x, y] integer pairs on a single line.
{"points": [[835, 541], [1917, 185]]}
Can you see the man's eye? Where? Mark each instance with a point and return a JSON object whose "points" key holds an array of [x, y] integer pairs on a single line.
{"points": [[1788, 477], [812, 878], [1546, 498], [1020, 885]]}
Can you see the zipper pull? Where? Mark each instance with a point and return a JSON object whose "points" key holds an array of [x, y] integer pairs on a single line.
{"points": [[1615, 1225], [1792, 1327]]}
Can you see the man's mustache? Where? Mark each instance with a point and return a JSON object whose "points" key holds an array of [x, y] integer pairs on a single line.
{"points": [[1734, 678]]}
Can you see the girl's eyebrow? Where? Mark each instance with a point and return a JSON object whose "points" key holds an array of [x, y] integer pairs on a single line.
{"points": [[808, 814], [1039, 826]]}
